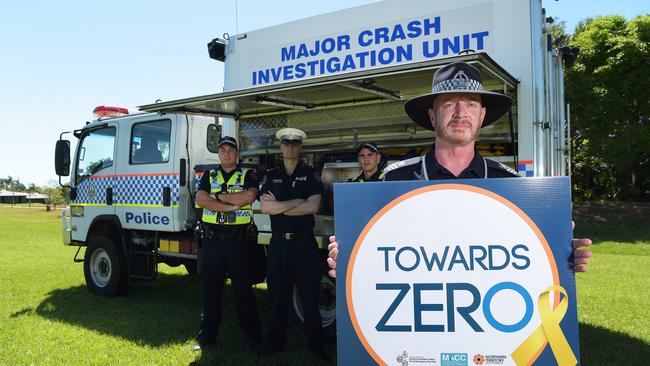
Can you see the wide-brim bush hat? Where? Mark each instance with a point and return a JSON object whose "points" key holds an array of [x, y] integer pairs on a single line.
{"points": [[457, 78]]}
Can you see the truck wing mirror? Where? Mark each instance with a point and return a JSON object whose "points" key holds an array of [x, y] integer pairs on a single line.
{"points": [[62, 158]]}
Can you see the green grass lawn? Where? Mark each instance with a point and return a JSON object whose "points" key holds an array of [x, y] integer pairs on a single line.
{"points": [[48, 317]]}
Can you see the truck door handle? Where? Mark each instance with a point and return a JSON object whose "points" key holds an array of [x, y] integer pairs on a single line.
{"points": [[109, 196], [167, 196], [183, 173]]}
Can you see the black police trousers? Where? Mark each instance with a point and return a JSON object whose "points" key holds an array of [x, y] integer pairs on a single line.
{"points": [[293, 262], [214, 258]]}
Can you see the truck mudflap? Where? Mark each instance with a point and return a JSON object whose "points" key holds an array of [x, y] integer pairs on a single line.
{"points": [[66, 234]]}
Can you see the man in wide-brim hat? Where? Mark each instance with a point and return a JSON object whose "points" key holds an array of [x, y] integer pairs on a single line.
{"points": [[456, 109]]}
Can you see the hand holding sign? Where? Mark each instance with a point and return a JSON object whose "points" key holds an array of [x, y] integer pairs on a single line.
{"points": [[333, 254], [581, 256]]}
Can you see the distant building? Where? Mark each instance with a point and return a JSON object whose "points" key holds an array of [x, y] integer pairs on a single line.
{"points": [[13, 197], [22, 197], [37, 198]]}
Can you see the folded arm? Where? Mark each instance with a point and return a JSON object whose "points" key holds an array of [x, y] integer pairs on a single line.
{"points": [[308, 207], [207, 201], [240, 198], [271, 206]]}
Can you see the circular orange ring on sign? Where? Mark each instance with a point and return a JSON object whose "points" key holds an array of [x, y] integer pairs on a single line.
{"points": [[415, 192]]}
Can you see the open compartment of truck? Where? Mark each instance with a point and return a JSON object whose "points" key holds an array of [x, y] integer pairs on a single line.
{"points": [[338, 111]]}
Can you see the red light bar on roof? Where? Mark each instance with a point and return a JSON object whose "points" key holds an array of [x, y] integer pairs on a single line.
{"points": [[104, 111]]}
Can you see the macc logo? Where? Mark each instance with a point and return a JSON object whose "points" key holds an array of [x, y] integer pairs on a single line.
{"points": [[453, 359]]}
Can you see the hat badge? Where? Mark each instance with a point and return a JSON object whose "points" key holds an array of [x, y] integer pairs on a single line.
{"points": [[460, 80]]}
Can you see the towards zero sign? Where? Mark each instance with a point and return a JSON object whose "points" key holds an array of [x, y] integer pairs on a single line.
{"points": [[444, 272]]}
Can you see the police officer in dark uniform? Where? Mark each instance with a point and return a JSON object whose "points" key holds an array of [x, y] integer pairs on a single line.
{"points": [[456, 109], [291, 195], [226, 195], [369, 158]]}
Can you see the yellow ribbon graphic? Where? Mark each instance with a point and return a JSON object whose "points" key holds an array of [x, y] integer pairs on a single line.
{"points": [[549, 331]]}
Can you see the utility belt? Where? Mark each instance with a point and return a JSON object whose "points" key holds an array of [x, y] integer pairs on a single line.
{"points": [[292, 236], [239, 233]]}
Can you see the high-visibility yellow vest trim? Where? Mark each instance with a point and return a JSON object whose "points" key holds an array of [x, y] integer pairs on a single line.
{"points": [[234, 185], [360, 180]]}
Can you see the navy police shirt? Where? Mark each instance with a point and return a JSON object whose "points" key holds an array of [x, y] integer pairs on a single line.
{"points": [[303, 183], [427, 168]]}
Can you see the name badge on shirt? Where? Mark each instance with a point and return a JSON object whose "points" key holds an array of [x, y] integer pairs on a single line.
{"points": [[298, 179]]}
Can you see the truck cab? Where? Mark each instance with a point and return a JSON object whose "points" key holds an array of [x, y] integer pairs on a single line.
{"points": [[131, 190]]}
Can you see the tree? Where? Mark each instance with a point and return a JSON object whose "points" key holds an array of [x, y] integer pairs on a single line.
{"points": [[6, 183], [57, 195], [33, 188], [608, 88], [11, 184]]}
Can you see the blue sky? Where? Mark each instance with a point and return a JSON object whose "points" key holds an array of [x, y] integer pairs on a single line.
{"points": [[59, 60]]}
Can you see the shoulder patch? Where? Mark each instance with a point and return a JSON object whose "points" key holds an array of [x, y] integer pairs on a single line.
{"points": [[502, 167], [507, 169], [403, 163]]}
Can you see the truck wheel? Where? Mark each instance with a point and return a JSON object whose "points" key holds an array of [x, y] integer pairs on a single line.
{"points": [[326, 304], [104, 267]]}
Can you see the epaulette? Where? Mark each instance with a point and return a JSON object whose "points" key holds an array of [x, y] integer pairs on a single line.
{"points": [[403, 163], [508, 169], [502, 167]]}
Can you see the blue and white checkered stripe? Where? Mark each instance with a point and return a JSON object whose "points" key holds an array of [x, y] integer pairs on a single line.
{"points": [[458, 85], [145, 189], [129, 190], [526, 168], [92, 191]]}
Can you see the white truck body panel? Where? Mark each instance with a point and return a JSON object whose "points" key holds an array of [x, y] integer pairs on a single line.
{"points": [[510, 31]]}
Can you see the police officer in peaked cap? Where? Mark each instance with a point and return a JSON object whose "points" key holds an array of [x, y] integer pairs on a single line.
{"points": [[291, 195], [226, 195], [456, 109], [369, 157]]}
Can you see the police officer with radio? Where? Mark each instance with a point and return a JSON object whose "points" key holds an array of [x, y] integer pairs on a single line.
{"points": [[226, 195], [369, 158], [291, 195]]}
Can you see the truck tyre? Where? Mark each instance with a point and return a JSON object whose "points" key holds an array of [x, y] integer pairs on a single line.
{"points": [[326, 304], [105, 267]]}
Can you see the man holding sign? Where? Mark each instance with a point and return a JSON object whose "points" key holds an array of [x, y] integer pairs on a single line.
{"points": [[416, 294], [457, 108]]}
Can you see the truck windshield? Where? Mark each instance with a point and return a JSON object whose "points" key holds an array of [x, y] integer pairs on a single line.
{"points": [[96, 152]]}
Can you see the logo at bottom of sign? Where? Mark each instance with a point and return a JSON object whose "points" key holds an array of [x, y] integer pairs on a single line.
{"points": [[453, 359]]}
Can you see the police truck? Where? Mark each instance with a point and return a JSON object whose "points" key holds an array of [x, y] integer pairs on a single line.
{"points": [[341, 77]]}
